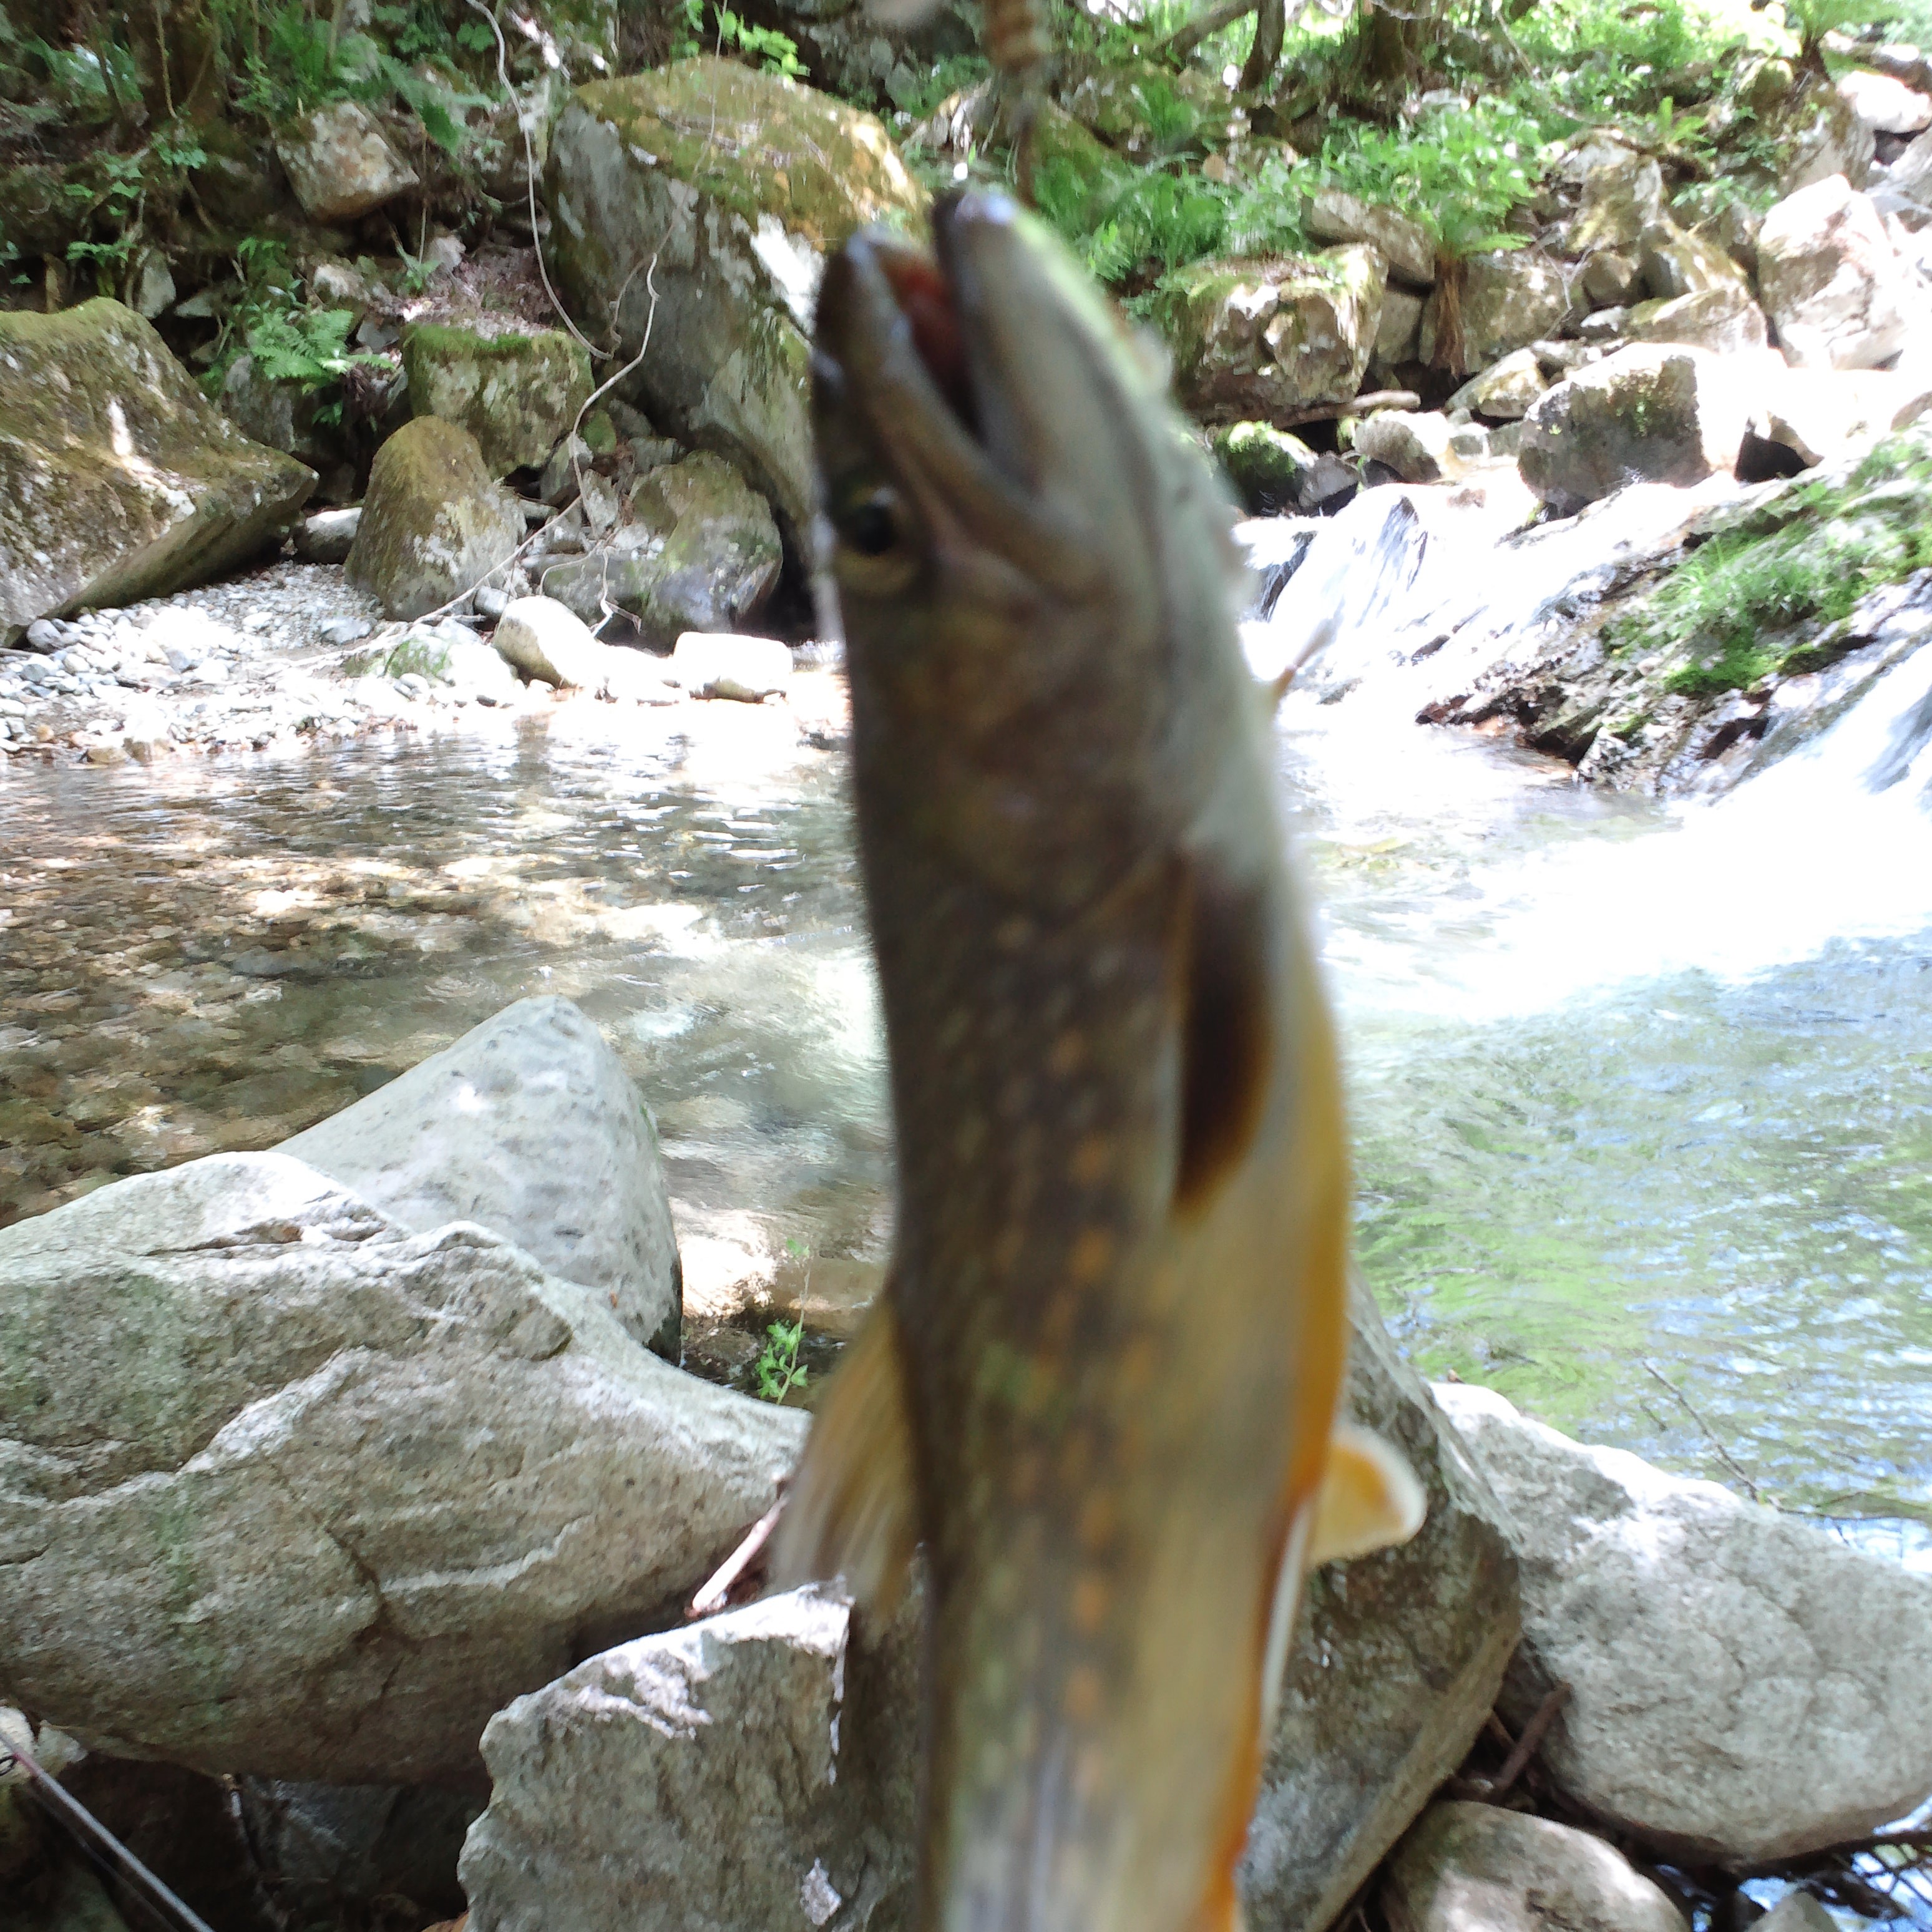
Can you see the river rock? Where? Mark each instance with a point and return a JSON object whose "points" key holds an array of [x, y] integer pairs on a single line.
{"points": [[1333, 216], [339, 163], [1910, 176], [548, 642], [327, 536], [280, 415], [1620, 199], [1736, 1676], [1506, 389], [1273, 471], [696, 549], [1824, 414], [702, 200], [1832, 280], [1509, 299], [434, 523], [118, 480], [1822, 137], [1398, 328], [747, 668], [1467, 1865], [1726, 321], [704, 1781], [292, 1491], [1414, 444], [529, 1125], [1884, 103], [1676, 263], [1611, 277], [1267, 336], [516, 393], [1395, 1663], [1648, 414]]}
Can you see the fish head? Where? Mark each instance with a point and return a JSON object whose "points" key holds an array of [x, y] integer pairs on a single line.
{"points": [[1017, 523]]}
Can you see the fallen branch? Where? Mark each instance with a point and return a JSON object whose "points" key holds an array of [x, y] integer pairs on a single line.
{"points": [[738, 1567]]}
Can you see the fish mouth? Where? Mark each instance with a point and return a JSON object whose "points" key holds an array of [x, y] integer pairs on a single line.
{"points": [[919, 347]]}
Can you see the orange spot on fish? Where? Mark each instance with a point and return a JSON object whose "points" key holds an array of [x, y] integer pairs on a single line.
{"points": [[1088, 1608], [1069, 1051], [1092, 1250], [1093, 1156]]}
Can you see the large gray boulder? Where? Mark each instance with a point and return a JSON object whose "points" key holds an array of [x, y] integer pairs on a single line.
{"points": [[1620, 197], [1649, 414], [118, 480], [1737, 1677], [434, 524], [1266, 336], [1396, 1663], [1467, 1865], [1823, 136], [697, 550], [529, 1125], [1831, 281], [701, 201], [1333, 215], [340, 163], [287, 1489], [1724, 320], [704, 1781]]}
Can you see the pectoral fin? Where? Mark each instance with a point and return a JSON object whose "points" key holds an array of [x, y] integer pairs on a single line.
{"points": [[849, 1511], [1370, 1499]]}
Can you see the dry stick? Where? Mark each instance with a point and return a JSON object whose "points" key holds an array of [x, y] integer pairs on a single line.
{"points": [[1710, 1434], [94, 1838], [1517, 1761], [713, 1596]]}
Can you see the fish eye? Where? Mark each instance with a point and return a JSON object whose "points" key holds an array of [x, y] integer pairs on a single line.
{"points": [[870, 522]]}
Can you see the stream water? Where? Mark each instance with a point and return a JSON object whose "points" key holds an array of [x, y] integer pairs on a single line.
{"points": [[1643, 1095]]}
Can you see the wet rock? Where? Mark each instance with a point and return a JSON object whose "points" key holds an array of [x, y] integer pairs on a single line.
{"points": [[529, 1125], [1394, 1665], [1910, 176], [518, 395], [1333, 216], [1885, 105], [1506, 389], [710, 1772], [1478, 1864], [1736, 1675], [308, 1496], [1266, 336], [1724, 320], [1509, 299], [118, 480], [1272, 471], [326, 536], [1831, 279], [434, 523], [1647, 414], [736, 185], [1823, 137], [339, 163], [696, 549], [750, 669], [1418, 446]]}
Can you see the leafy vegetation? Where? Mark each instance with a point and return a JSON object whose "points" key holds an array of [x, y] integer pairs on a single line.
{"points": [[779, 1370], [764, 47], [1807, 558]]}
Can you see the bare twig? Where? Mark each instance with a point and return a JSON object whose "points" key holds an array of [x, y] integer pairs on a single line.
{"points": [[716, 1592], [1533, 1735], [1710, 1434]]}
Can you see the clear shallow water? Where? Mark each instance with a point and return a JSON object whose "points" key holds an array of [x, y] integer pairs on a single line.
{"points": [[1643, 1098]]}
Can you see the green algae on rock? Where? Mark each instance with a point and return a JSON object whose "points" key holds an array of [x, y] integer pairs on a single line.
{"points": [[516, 393], [699, 201], [434, 523], [118, 480]]}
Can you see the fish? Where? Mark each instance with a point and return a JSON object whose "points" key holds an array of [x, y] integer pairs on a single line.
{"points": [[1100, 1385]]}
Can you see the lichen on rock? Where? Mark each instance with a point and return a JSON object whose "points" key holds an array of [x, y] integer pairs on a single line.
{"points": [[516, 393]]}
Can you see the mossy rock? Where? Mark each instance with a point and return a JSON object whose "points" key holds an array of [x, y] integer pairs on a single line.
{"points": [[518, 395], [434, 523], [1264, 464], [1262, 337], [119, 479], [700, 200]]}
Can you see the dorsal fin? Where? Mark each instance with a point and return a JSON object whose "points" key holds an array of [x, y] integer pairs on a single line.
{"points": [[849, 1511]]}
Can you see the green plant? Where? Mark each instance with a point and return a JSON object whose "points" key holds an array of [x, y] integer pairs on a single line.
{"points": [[764, 47], [1807, 558], [955, 74], [779, 1371]]}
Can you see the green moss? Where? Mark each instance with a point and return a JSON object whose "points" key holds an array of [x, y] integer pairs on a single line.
{"points": [[1263, 463], [1806, 558]]}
